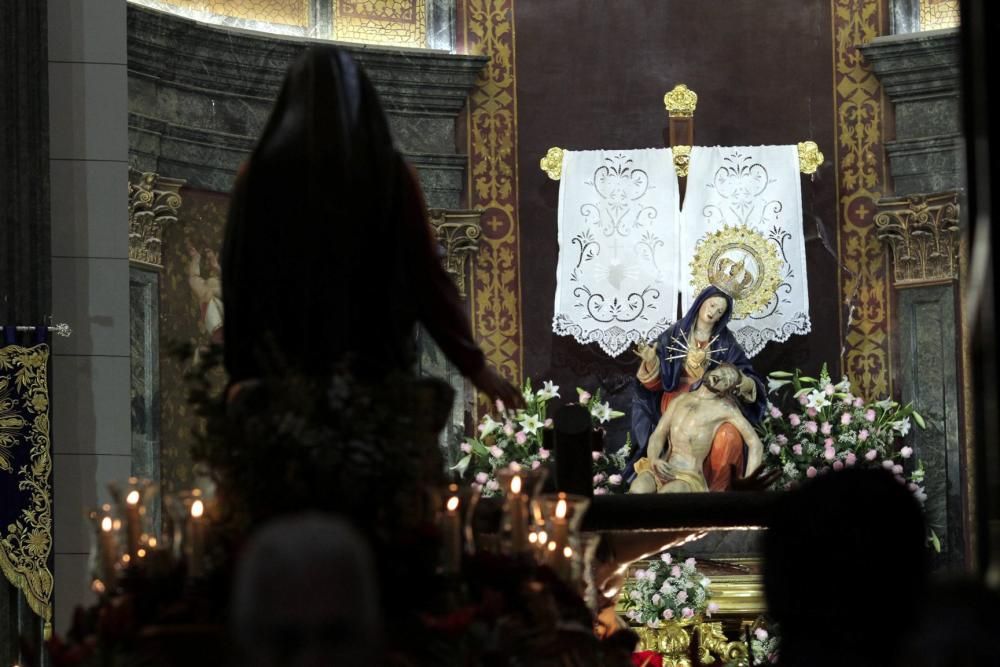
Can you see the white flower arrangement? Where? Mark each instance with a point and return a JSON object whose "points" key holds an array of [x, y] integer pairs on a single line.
{"points": [[667, 591], [828, 428], [516, 438]]}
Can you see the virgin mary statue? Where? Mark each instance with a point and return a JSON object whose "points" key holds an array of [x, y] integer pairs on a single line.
{"points": [[676, 362]]}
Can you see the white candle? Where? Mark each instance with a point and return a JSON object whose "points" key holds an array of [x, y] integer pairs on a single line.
{"points": [[196, 539]]}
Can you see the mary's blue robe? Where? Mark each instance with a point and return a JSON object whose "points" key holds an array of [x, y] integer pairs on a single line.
{"points": [[646, 403]]}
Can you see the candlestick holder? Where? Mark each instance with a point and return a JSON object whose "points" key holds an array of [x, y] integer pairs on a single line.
{"points": [[106, 550], [520, 486], [134, 498], [558, 542]]}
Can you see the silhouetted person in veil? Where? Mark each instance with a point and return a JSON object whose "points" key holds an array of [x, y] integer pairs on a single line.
{"points": [[845, 569], [328, 257]]}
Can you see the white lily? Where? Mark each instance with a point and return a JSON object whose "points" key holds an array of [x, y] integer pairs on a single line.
{"points": [[818, 400], [774, 385], [902, 426], [488, 425], [601, 411], [531, 424], [548, 390]]}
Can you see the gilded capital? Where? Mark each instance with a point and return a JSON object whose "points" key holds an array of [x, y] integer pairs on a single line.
{"points": [[923, 234], [458, 232], [153, 202], [680, 102]]}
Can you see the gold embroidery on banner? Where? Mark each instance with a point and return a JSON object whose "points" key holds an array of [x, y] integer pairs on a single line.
{"points": [[493, 184], [860, 180], [26, 543], [394, 22]]}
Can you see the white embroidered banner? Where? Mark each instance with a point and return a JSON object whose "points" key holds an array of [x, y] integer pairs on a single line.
{"points": [[618, 270], [742, 224]]}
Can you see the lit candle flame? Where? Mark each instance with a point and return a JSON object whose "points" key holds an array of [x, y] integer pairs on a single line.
{"points": [[515, 484], [141, 553], [106, 524], [97, 586], [552, 546], [132, 498], [568, 552], [197, 508], [533, 538], [152, 542], [561, 509], [126, 558], [543, 537], [452, 504]]}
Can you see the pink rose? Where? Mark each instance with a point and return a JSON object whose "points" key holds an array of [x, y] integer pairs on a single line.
{"points": [[775, 448], [548, 423], [782, 440], [682, 596], [686, 612], [521, 437], [666, 558], [675, 571], [863, 435], [712, 608], [870, 415], [481, 477], [596, 455], [850, 459], [906, 452], [543, 454], [535, 464], [845, 418], [829, 454], [888, 464], [912, 486], [668, 614], [496, 452], [837, 465], [812, 426], [870, 455], [760, 633], [803, 399], [811, 412], [465, 447], [897, 469], [859, 402], [600, 491], [829, 389], [690, 562], [508, 429], [828, 442], [810, 472], [775, 412], [794, 419], [826, 428], [598, 478], [797, 449]]}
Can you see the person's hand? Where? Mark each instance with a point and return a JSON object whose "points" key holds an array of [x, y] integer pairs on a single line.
{"points": [[759, 480], [488, 381], [646, 352]]}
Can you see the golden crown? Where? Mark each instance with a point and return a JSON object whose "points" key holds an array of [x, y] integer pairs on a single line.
{"points": [[732, 277]]}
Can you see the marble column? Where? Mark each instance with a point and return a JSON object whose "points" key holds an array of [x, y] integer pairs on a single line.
{"points": [[921, 224], [88, 160]]}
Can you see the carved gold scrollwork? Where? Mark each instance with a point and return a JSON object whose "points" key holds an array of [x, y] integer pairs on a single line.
{"points": [[458, 232], [810, 157], [923, 233], [680, 102], [712, 642], [682, 160], [153, 202], [551, 164]]}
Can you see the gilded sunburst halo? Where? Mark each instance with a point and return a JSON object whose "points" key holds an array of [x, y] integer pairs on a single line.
{"points": [[742, 262]]}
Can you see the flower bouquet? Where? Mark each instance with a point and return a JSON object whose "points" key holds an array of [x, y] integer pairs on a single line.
{"points": [[825, 427], [667, 591], [516, 437]]}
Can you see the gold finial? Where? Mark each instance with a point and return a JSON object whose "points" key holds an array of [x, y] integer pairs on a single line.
{"points": [[551, 164], [682, 159], [680, 102], [810, 157]]}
